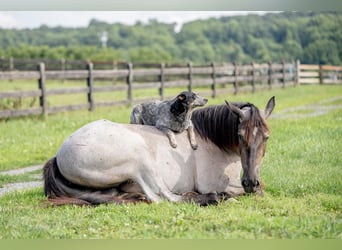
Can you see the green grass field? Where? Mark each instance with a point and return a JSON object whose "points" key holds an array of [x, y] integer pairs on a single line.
{"points": [[301, 170]]}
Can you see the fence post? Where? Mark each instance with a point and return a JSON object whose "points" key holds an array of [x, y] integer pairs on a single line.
{"points": [[41, 86], [253, 77], [270, 75], [129, 81], [90, 86], [190, 76], [284, 74], [320, 73], [297, 72], [161, 79], [63, 67], [213, 76], [226, 72], [236, 72], [11, 66], [115, 67]]}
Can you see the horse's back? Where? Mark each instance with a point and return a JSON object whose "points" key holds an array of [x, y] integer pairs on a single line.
{"points": [[88, 155], [102, 154]]}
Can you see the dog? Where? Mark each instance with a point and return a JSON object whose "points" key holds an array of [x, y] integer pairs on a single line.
{"points": [[170, 116]]}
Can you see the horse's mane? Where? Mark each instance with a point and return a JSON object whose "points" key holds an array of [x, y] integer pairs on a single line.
{"points": [[220, 125]]}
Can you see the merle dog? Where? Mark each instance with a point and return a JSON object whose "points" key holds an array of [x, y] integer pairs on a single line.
{"points": [[170, 115]]}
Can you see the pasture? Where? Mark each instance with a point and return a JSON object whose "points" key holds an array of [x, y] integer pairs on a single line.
{"points": [[301, 171]]}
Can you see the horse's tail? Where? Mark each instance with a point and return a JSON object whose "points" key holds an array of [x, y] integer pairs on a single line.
{"points": [[61, 192]]}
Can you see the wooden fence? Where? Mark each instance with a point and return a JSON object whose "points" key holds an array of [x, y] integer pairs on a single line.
{"points": [[322, 74], [214, 77]]}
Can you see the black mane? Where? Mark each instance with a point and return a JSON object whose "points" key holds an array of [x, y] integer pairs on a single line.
{"points": [[219, 124]]}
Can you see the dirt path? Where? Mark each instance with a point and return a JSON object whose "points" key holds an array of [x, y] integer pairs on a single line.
{"points": [[300, 112], [19, 186], [22, 170], [7, 188], [307, 111]]}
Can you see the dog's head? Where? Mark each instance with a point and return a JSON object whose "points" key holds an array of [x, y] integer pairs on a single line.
{"points": [[191, 100]]}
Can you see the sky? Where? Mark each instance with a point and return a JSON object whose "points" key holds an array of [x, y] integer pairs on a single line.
{"points": [[34, 19]]}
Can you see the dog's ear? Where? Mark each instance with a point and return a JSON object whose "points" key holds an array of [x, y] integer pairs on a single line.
{"points": [[181, 97]]}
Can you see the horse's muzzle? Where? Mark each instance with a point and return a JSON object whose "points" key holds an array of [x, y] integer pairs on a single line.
{"points": [[252, 186]]}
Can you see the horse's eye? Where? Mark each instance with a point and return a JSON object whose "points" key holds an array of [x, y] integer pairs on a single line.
{"points": [[241, 139]]}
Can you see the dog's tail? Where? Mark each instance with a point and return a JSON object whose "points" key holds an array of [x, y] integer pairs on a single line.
{"points": [[60, 191], [136, 115]]}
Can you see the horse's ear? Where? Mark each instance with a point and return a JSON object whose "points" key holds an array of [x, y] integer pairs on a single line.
{"points": [[235, 109], [269, 107]]}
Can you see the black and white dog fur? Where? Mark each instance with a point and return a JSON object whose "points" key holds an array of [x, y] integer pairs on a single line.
{"points": [[170, 116]]}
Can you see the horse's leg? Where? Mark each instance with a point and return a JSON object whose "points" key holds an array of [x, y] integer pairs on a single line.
{"points": [[146, 186], [146, 176], [192, 137], [133, 189], [155, 189]]}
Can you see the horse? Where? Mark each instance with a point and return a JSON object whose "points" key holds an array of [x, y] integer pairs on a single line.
{"points": [[108, 162]]}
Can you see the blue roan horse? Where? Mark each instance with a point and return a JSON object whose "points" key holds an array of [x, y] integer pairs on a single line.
{"points": [[107, 162]]}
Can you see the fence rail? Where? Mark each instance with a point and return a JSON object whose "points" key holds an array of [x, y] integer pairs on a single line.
{"points": [[129, 78]]}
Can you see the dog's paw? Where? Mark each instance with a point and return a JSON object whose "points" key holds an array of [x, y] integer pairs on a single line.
{"points": [[194, 146], [173, 144]]}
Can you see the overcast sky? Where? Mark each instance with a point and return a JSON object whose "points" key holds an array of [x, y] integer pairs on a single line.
{"points": [[34, 19]]}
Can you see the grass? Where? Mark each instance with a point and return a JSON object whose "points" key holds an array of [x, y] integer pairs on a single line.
{"points": [[251, 217], [305, 149], [301, 170]]}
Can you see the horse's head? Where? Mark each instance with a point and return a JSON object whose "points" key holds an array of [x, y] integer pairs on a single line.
{"points": [[253, 133]]}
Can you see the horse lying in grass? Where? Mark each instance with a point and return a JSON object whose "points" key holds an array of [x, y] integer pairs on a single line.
{"points": [[107, 162]]}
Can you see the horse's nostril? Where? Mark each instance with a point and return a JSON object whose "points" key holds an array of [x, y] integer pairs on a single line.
{"points": [[257, 183], [244, 183]]}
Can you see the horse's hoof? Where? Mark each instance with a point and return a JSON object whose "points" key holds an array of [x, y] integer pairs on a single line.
{"points": [[211, 199]]}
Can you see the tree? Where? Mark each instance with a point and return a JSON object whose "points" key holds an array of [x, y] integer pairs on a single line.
{"points": [[310, 36], [322, 52]]}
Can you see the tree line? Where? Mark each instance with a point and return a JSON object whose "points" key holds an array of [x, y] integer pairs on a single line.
{"points": [[312, 37]]}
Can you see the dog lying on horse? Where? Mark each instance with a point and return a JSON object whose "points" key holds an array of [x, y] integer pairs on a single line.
{"points": [[170, 116]]}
